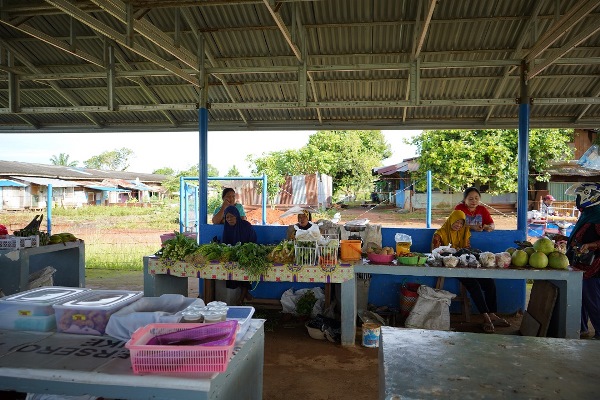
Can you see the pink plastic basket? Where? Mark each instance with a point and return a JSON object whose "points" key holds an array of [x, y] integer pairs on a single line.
{"points": [[164, 358]]}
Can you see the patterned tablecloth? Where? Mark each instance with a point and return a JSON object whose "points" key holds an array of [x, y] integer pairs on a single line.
{"points": [[338, 273]]}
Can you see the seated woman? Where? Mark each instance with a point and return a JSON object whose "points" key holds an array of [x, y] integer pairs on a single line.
{"points": [[228, 196], [454, 232], [236, 230], [304, 223], [478, 217]]}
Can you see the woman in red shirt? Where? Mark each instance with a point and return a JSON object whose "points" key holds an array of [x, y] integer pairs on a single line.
{"points": [[478, 217]]}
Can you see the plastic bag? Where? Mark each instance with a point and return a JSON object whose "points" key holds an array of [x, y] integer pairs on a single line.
{"points": [[487, 259], [148, 310], [432, 309], [403, 237], [290, 298], [312, 233]]}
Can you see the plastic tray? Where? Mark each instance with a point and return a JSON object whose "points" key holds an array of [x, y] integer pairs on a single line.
{"points": [[164, 359], [243, 315]]}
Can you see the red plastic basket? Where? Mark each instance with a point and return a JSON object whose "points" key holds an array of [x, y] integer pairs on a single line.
{"points": [[163, 359]]}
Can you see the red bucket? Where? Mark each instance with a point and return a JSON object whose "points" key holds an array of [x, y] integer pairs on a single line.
{"points": [[408, 298]]}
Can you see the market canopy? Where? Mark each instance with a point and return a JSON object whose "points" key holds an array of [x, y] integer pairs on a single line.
{"points": [[147, 65]]}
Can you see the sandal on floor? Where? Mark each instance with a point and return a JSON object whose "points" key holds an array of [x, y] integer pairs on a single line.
{"points": [[501, 323], [488, 327]]}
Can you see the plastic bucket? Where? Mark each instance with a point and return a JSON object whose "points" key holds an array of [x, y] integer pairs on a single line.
{"points": [[350, 250], [370, 334], [402, 248]]}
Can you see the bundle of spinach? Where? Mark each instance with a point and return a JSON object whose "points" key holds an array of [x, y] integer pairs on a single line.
{"points": [[252, 258], [305, 303]]}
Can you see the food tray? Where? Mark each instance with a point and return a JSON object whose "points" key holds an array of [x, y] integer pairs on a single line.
{"points": [[146, 358]]}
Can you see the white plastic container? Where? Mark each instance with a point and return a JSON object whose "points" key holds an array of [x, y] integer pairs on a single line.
{"points": [[89, 313], [34, 309], [243, 315]]}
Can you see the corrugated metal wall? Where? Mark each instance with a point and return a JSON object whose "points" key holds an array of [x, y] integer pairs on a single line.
{"points": [[311, 190]]}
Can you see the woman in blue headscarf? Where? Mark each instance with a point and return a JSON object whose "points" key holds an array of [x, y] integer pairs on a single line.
{"points": [[236, 230], [585, 238]]}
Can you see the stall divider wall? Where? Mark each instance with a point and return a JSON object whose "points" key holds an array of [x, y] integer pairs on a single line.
{"points": [[384, 290]]}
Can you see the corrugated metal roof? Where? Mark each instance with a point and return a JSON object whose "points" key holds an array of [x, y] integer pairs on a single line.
{"points": [[298, 64], [8, 183], [59, 183]]}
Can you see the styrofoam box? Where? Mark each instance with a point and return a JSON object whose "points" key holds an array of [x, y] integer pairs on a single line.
{"points": [[33, 309], [89, 313], [243, 315]]}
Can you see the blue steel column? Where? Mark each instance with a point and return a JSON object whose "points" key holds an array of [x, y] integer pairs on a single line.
{"points": [[181, 203], [523, 155], [202, 168], [428, 216], [264, 202], [49, 209]]}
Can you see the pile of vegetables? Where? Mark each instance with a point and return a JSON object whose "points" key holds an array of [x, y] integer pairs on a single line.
{"points": [[251, 257]]}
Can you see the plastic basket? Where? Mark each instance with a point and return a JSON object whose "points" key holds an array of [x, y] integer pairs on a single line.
{"points": [[161, 359], [328, 250], [18, 242], [305, 253]]}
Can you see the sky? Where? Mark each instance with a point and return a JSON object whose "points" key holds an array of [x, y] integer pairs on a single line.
{"points": [[178, 150]]}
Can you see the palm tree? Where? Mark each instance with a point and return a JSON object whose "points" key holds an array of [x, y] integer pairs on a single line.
{"points": [[63, 159]]}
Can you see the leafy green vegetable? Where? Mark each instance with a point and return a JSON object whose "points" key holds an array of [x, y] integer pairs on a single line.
{"points": [[305, 303]]}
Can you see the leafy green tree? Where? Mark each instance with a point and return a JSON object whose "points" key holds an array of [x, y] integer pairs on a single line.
{"points": [[164, 171], [347, 156], [115, 160], [172, 183], [62, 159], [233, 171], [459, 158]]}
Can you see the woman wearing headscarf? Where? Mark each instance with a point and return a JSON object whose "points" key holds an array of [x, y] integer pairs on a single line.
{"points": [[236, 230], [585, 238], [304, 223], [454, 232]]}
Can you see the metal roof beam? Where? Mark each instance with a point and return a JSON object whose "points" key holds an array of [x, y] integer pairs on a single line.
{"points": [[425, 27], [105, 30], [555, 54], [575, 15]]}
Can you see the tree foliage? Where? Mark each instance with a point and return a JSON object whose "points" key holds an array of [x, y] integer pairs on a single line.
{"points": [[233, 171], [62, 159], [115, 160], [460, 158], [347, 156], [172, 183]]}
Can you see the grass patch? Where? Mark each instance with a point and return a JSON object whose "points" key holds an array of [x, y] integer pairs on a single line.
{"points": [[117, 256]]}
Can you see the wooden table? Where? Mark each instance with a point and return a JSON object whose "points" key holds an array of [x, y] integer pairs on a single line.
{"points": [[567, 309], [66, 364], [423, 364]]}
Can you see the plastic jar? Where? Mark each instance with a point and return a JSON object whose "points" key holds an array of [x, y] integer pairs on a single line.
{"points": [[192, 316], [215, 316]]}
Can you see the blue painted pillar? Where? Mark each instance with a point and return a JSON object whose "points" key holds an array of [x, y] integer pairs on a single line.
{"points": [[49, 209], [523, 155], [182, 203], [202, 167], [264, 202], [428, 216]]}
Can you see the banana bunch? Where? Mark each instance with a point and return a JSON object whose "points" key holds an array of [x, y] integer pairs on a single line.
{"points": [[62, 238]]}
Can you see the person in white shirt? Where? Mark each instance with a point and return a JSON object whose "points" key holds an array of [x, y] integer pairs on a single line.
{"points": [[546, 208]]}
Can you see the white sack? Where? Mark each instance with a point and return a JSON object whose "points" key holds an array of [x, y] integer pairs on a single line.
{"points": [[432, 309]]}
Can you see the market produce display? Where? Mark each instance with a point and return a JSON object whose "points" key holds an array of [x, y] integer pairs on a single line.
{"points": [[544, 253]]}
